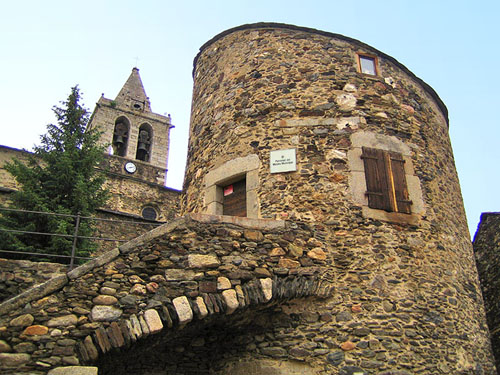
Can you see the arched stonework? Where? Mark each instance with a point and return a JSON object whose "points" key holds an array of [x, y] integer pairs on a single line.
{"points": [[153, 285]]}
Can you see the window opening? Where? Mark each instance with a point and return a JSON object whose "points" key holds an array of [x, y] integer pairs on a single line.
{"points": [[120, 138], [144, 144], [149, 213], [368, 64], [235, 199], [385, 180]]}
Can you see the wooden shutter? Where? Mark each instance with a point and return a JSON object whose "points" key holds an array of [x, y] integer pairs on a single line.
{"points": [[403, 203], [235, 199], [386, 180], [376, 179]]}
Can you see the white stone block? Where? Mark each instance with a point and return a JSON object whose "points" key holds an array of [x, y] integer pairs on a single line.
{"points": [[153, 320], [231, 300], [183, 309]]}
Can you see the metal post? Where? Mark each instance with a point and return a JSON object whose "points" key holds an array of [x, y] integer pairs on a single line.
{"points": [[75, 237]]}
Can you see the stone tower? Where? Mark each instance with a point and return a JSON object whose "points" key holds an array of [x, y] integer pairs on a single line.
{"points": [[323, 130], [138, 137], [138, 145]]}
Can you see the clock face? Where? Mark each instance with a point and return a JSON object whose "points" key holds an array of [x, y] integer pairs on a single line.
{"points": [[130, 167]]}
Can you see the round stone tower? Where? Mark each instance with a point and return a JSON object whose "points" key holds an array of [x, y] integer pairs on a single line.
{"points": [[296, 124]]}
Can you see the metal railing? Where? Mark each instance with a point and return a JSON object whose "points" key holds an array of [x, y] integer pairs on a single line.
{"points": [[77, 218]]}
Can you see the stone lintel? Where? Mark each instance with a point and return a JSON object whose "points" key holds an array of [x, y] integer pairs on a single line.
{"points": [[244, 222]]}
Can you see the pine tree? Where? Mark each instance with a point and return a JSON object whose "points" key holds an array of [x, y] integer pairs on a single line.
{"points": [[59, 177]]}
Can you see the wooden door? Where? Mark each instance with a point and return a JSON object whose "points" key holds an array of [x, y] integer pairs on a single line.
{"points": [[235, 199]]}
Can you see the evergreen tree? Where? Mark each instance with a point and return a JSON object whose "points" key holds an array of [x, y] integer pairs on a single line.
{"points": [[59, 177]]}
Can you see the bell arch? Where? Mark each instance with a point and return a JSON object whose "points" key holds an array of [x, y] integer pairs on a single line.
{"points": [[121, 136], [144, 143]]}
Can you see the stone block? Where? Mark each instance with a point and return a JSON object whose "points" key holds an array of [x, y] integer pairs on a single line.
{"points": [[102, 313], [153, 321], [231, 300], [74, 370], [136, 330], [13, 360], [183, 309], [36, 330], [223, 283], [102, 340], [63, 321], [90, 348], [202, 261], [202, 308], [267, 288], [115, 335], [22, 321], [175, 274], [317, 254], [5, 347]]}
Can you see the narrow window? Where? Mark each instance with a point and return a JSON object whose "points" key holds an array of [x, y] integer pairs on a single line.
{"points": [[144, 143], [120, 137], [367, 64], [385, 180], [235, 199]]}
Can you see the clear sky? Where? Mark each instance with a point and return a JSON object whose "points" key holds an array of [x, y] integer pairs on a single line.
{"points": [[49, 46]]}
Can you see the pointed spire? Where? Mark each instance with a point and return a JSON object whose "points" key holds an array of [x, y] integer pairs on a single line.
{"points": [[133, 94]]}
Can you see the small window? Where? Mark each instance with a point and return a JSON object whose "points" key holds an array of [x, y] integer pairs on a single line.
{"points": [[149, 213], [235, 199], [138, 105], [367, 64], [386, 186]]}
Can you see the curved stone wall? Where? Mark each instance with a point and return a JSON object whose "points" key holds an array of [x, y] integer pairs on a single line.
{"points": [[409, 294]]}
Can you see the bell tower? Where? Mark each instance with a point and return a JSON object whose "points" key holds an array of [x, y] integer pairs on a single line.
{"points": [[138, 139]]}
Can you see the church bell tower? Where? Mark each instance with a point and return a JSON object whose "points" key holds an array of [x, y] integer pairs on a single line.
{"points": [[138, 139]]}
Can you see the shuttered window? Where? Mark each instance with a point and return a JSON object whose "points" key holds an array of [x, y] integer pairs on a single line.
{"points": [[235, 199], [385, 180]]}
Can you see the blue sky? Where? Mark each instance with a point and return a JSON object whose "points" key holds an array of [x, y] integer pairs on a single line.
{"points": [[48, 47]]}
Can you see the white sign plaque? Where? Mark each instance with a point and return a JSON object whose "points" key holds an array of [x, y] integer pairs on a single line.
{"points": [[283, 161]]}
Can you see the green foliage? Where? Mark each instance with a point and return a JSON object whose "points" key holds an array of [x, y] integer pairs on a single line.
{"points": [[59, 177]]}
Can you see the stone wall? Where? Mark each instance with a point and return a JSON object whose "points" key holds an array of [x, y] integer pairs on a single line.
{"points": [[154, 303], [408, 283], [16, 276], [487, 250]]}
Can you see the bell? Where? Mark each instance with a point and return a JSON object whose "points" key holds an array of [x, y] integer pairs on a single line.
{"points": [[142, 147], [119, 140]]}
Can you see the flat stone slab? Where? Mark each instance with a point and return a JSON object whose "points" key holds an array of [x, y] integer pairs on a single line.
{"points": [[74, 370], [202, 261], [102, 313]]}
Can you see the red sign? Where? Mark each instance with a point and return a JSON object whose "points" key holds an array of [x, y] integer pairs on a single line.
{"points": [[228, 190]]}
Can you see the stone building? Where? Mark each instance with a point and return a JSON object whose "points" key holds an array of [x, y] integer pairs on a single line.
{"points": [[136, 165], [322, 231]]}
